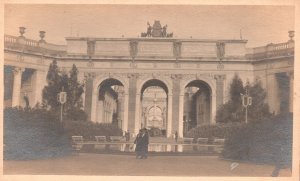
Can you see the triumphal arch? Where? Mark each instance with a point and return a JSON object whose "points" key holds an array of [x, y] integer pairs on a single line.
{"points": [[154, 80]]}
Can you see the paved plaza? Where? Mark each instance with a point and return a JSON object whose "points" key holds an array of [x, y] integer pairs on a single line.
{"points": [[127, 165]]}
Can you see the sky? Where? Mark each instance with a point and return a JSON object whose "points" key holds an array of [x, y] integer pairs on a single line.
{"points": [[259, 25]]}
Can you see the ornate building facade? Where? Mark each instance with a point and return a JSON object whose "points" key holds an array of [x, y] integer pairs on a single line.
{"points": [[120, 73]]}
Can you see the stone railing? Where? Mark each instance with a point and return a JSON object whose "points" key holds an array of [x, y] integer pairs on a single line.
{"points": [[271, 51], [27, 45]]}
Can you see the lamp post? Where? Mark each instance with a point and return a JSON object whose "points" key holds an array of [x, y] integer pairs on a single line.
{"points": [[246, 101], [62, 99]]}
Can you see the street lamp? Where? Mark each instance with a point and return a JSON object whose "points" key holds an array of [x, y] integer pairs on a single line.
{"points": [[62, 99], [246, 101]]}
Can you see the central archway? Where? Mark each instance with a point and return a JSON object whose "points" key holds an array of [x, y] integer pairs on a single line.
{"points": [[153, 105]]}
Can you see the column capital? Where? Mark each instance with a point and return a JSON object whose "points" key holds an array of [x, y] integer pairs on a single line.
{"points": [[89, 75], [176, 76], [220, 77], [18, 70], [132, 75]]}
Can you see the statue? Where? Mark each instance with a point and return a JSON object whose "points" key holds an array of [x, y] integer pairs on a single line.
{"points": [[156, 30], [170, 35], [164, 32], [149, 30]]}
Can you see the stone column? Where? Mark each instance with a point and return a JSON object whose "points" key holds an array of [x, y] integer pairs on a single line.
{"points": [[175, 102], [273, 95], [90, 103], [120, 109], [132, 102], [125, 118], [17, 86], [169, 121], [291, 94], [40, 83], [180, 119], [219, 90], [137, 124]]}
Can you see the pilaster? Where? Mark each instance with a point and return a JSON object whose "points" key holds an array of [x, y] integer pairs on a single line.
{"points": [[219, 90]]}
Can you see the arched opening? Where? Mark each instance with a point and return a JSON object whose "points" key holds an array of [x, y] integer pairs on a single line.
{"points": [[154, 106], [197, 105], [110, 102]]}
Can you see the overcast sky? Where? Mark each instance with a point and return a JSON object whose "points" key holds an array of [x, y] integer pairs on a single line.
{"points": [[260, 25]]}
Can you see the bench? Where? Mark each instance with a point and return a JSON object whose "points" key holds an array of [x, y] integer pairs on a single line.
{"points": [[116, 138], [219, 141], [100, 138], [202, 140], [76, 142], [188, 140]]}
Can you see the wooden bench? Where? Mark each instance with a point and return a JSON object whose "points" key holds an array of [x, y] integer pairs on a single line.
{"points": [[116, 138], [100, 138], [188, 140], [219, 141], [202, 140], [76, 142]]}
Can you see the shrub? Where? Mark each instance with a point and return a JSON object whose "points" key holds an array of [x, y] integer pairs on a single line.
{"points": [[267, 141], [76, 115], [219, 130], [89, 129], [33, 134]]}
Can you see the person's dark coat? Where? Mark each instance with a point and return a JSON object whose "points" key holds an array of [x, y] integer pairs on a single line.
{"points": [[142, 141]]}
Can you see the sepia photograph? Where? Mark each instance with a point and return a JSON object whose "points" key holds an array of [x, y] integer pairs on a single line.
{"points": [[148, 90]]}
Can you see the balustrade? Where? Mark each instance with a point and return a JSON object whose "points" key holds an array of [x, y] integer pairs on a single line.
{"points": [[24, 44], [271, 50]]}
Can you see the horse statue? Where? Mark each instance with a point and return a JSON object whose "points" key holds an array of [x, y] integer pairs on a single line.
{"points": [[170, 35]]}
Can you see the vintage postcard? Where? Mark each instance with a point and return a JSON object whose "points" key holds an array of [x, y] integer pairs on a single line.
{"points": [[158, 91]]}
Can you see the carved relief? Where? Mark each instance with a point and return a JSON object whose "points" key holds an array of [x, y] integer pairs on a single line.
{"points": [[90, 63], [220, 66], [177, 49], [133, 48], [133, 65], [220, 50], [90, 47], [20, 58]]}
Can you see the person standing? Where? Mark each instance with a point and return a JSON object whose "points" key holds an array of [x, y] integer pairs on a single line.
{"points": [[145, 143], [138, 147], [142, 142], [176, 136]]}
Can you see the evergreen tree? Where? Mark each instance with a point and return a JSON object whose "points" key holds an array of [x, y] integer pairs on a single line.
{"points": [[236, 89], [75, 90], [54, 86], [259, 108], [232, 111], [60, 81]]}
